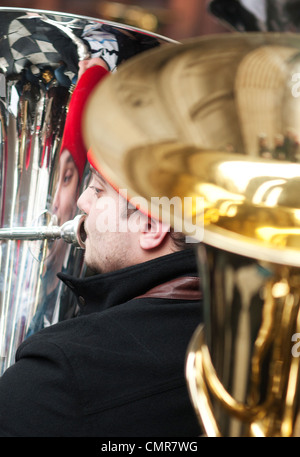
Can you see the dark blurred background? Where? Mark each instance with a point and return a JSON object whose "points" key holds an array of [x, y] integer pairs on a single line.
{"points": [[177, 19]]}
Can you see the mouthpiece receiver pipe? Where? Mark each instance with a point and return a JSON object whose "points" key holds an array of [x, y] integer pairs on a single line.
{"points": [[71, 232]]}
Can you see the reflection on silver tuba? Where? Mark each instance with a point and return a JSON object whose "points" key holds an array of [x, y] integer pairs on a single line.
{"points": [[223, 119], [41, 53]]}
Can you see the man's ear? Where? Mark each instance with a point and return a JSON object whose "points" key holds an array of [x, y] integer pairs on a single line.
{"points": [[153, 234]]}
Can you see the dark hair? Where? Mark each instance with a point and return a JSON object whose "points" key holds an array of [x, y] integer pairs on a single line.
{"points": [[180, 240]]}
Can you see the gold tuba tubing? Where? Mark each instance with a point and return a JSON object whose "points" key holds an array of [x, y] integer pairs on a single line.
{"points": [[208, 141], [244, 354]]}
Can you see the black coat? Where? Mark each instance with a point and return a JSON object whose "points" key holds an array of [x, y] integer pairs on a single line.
{"points": [[116, 370]]}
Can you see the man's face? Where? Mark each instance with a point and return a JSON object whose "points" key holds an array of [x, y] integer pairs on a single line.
{"points": [[66, 194], [109, 244]]}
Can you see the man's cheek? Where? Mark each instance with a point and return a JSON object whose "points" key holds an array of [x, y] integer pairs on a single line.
{"points": [[106, 220]]}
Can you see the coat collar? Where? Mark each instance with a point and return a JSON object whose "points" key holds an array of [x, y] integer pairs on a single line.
{"points": [[99, 292]]}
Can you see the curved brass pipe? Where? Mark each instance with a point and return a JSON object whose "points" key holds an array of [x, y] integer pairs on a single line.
{"points": [[203, 382]]}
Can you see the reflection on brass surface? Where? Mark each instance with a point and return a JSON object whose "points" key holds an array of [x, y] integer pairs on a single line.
{"points": [[217, 119]]}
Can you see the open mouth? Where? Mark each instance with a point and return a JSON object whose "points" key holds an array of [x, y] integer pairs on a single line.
{"points": [[81, 233]]}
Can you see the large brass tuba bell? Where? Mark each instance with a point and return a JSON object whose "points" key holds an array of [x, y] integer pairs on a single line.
{"points": [[216, 120]]}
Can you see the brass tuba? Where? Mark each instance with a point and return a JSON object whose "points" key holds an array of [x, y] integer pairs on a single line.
{"points": [[213, 126], [40, 52]]}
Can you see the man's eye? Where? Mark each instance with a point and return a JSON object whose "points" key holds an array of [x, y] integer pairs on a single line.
{"points": [[95, 189], [67, 178]]}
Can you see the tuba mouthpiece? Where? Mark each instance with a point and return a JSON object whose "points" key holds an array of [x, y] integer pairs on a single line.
{"points": [[71, 232]]}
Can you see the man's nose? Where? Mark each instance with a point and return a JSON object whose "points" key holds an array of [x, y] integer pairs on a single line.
{"points": [[56, 198], [55, 203], [83, 202]]}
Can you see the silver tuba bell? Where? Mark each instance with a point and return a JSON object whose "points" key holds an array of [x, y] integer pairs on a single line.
{"points": [[40, 55], [214, 130]]}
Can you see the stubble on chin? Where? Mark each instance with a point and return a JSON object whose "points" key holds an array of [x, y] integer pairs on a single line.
{"points": [[92, 266]]}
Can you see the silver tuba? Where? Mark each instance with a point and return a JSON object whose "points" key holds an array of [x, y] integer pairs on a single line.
{"points": [[40, 52], [213, 127]]}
